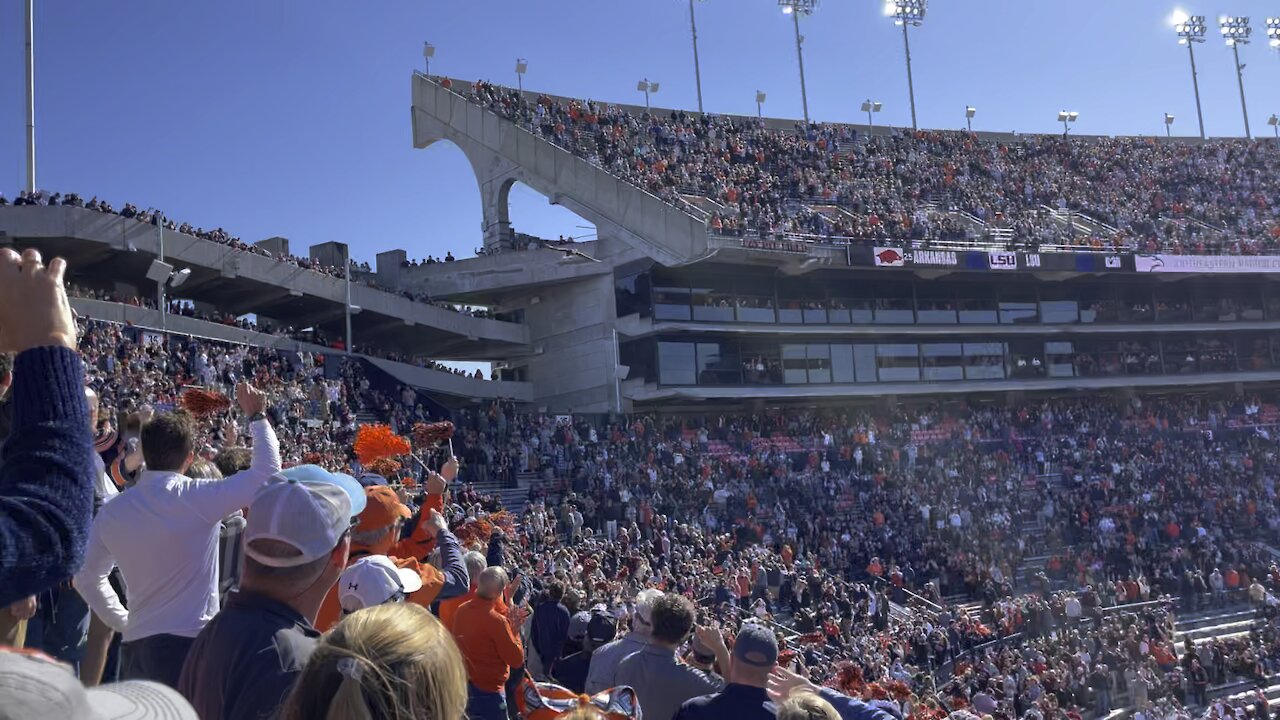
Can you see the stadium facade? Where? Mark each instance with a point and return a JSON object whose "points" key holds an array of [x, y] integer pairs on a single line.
{"points": [[660, 312]]}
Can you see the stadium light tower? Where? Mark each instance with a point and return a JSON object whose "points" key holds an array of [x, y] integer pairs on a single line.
{"points": [[1168, 125], [428, 52], [1236, 31], [697, 68], [522, 67], [969, 112], [759, 103], [647, 87], [1274, 122], [31, 96], [907, 13], [1191, 29], [869, 107], [1273, 32], [1065, 117], [796, 8]]}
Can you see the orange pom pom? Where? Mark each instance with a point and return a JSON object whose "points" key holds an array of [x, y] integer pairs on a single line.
{"points": [[386, 467], [374, 442], [203, 403], [430, 434]]}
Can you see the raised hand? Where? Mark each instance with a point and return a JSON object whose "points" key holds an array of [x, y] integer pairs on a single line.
{"points": [[34, 310], [250, 399]]}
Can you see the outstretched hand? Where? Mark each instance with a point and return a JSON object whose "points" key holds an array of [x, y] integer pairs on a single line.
{"points": [[250, 399], [783, 682], [34, 310]]}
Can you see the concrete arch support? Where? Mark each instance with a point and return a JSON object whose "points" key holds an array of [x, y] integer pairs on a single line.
{"points": [[501, 153]]}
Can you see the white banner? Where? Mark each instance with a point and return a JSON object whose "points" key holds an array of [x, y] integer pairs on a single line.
{"points": [[1207, 263], [1003, 260]]}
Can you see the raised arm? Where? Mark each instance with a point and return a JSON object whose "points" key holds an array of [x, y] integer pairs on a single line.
{"points": [[215, 499], [46, 475]]}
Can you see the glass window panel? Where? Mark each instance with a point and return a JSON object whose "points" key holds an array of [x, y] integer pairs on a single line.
{"points": [[1018, 306], [677, 363], [842, 364], [984, 361], [712, 305], [936, 304], [865, 364], [1026, 359], [718, 364], [1098, 304], [1254, 353], [671, 303], [1136, 304], [1173, 304], [942, 361], [1060, 358], [1059, 311], [761, 362], [898, 363], [795, 364], [978, 305]]}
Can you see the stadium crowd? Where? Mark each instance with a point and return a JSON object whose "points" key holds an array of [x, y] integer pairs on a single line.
{"points": [[790, 561], [832, 181]]}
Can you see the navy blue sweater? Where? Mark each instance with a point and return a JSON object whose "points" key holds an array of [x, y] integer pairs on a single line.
{"points": [[46, 474]]}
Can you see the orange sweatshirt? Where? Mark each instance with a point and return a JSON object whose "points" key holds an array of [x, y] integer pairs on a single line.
{"points": [[489, 645]]}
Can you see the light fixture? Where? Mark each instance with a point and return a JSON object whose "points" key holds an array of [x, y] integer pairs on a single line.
{"points": [[759, 103], [796, 8], [907, 14], [1065, 117], [647, 88], [522, 66], [1168, 124], [969, 112], [1274, 122], [428, 52], [1191, 29], [1236, 31], [1273, 31], [869, 107]]}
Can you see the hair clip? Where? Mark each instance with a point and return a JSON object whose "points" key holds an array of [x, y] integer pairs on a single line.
{"points": [[349, 668]]}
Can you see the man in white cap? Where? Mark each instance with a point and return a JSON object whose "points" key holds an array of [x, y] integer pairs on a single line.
{"points": [[33, 685], [296, 543], [374, 580]]}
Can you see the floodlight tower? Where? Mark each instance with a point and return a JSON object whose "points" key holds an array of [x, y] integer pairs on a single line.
{"points": [[1273, 32], [796, 8], [1168, 125], [697, 68], [647, 87], [1274, 122], [31, 95], [969, 112], [522, 67], [907, 13], [760, 103], [1065, 117], [428, 52], [1191, 29], [1236, 31]]}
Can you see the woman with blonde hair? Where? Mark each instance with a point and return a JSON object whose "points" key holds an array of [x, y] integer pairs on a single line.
{"points": [[388, 662], [804, 704]]}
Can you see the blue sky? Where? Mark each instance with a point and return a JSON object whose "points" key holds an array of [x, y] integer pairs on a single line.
{"points": [[292, 118]]}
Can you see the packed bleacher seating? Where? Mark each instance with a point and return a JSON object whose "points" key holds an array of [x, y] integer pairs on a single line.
{"points": [[1024, 561], [832, 182]]}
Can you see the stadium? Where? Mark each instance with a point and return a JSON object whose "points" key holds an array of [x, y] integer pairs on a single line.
{"points": [[849, 420]]}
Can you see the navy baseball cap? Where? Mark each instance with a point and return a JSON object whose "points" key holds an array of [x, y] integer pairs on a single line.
{"points": [[756, 645]]}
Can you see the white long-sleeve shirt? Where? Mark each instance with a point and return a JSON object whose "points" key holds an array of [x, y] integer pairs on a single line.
{"points": [[163, 535]]}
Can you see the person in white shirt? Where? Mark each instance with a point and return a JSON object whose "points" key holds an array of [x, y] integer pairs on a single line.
{"points": [[163, 535]]}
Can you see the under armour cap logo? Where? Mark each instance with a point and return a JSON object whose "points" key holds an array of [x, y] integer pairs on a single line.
{"points": [[353, 586]]}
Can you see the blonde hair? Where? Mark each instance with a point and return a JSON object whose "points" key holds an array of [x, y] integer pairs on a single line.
{"points": [[584, 712], [387, 662], [806, 705]]}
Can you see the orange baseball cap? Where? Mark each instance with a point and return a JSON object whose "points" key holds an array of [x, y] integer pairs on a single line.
{"points": [[382, 509]]}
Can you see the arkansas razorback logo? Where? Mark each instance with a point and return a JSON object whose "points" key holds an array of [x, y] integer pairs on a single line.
{"points": [[889, 257]]}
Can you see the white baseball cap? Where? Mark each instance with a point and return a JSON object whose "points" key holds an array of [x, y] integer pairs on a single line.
{"points": [[33, 685], [310, 517], [374, 580]]}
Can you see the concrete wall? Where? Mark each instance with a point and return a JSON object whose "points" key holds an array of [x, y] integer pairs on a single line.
{"points": [[128, 235], [502, 153], [433, 381]]}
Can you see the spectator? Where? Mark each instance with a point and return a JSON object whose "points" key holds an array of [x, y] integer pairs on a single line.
{"points": [[755, 651], [46, 475], [550, 627], [802, 705], [163, 534], [662, 683], [605, 660], [375, 580], [783, 685], [490, 645], [475, 562], [598, 629], [390, 662], [296, 541], [378, 533]]}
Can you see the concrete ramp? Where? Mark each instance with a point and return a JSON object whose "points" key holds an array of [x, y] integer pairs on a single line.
{"points": [[502, 153]]}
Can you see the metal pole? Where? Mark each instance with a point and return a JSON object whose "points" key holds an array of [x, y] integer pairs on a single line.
{"points": [[617, 382], [31, 98], [804, 94], [911, 88], [160, 298], [520, 82], [870, 123], [1195, 83], [347, 274], [1168, 130], [759, 110], [969, 122], [1235, 48], [697, 68], [646, 96]]}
